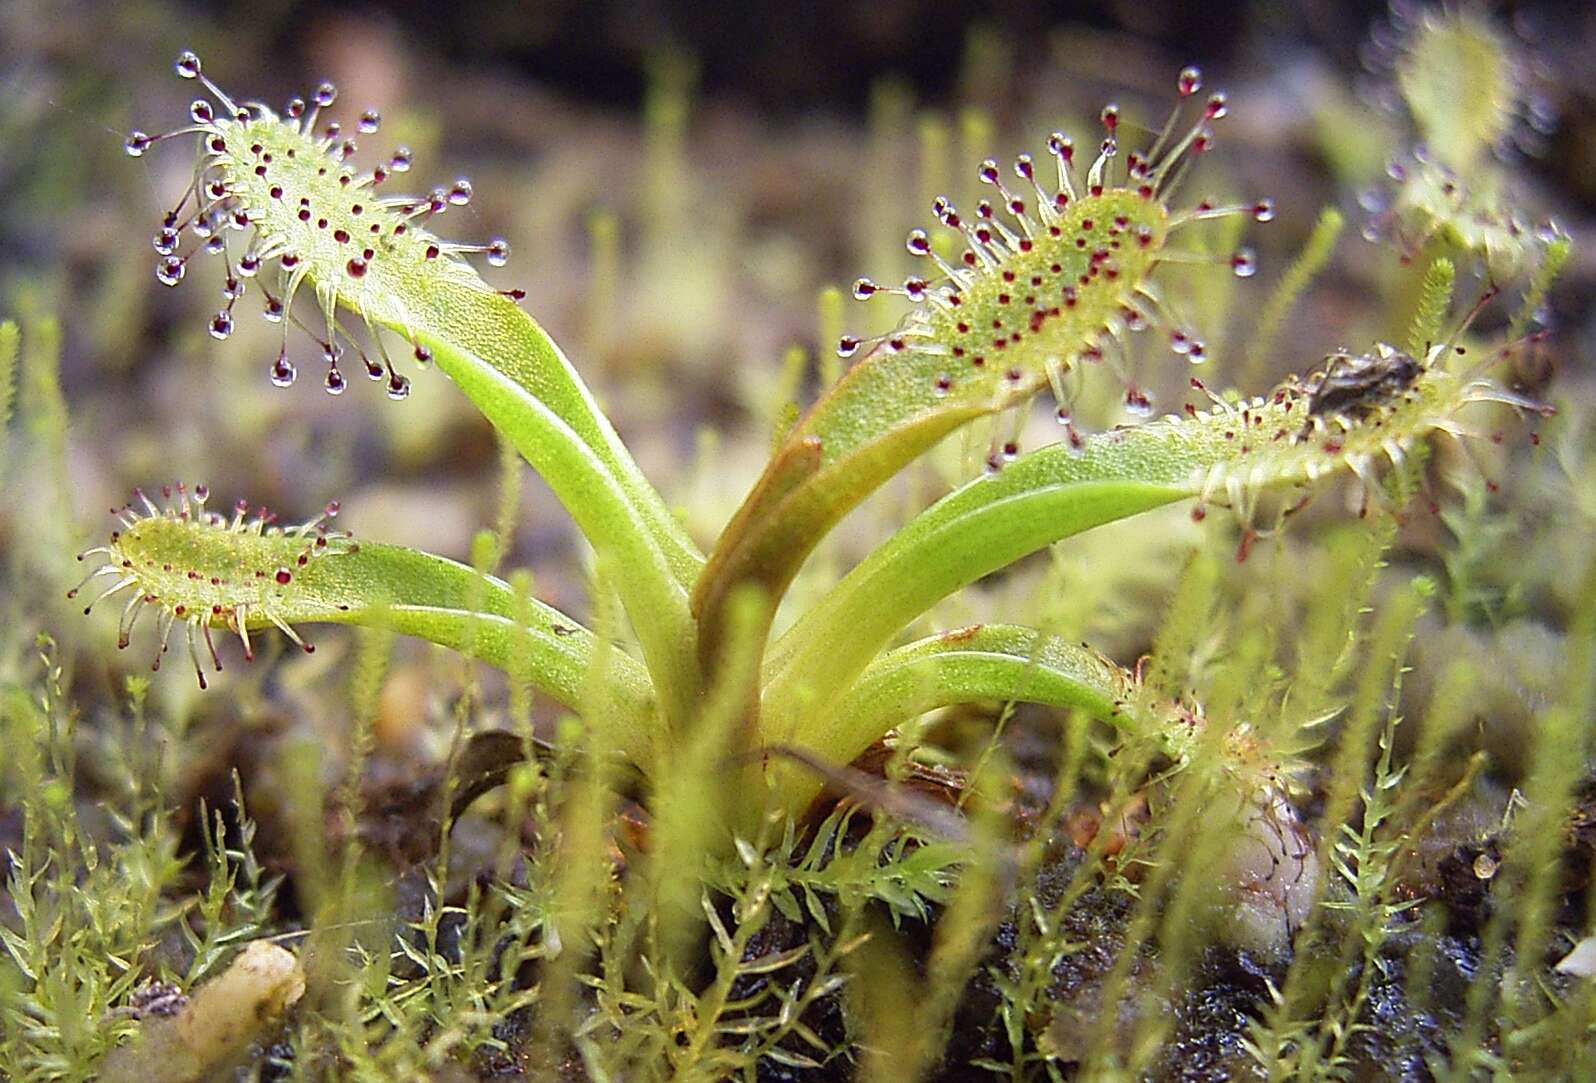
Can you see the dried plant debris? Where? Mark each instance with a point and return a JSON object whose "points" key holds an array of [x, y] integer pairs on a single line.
{"points": [[184, 1038]]}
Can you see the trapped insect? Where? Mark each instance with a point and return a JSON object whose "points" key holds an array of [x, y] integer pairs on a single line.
{"points": [[1356, 385]]}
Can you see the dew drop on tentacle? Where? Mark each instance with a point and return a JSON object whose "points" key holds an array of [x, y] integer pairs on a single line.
{"points": [[280, 181], [1189, 82], [1244, 263], [283, 371]]}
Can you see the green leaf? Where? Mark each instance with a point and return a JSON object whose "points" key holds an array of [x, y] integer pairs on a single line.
{"points": [[402, 279], [1007, 663], [1230, 455], [210, 575], [948, 363], [472, 328], [646, 575]]}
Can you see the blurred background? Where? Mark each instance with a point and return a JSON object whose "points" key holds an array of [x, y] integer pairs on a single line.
{"points": [[685, 188]]}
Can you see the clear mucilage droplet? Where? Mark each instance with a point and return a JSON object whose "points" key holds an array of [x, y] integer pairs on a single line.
{"points": [[283, 372]]}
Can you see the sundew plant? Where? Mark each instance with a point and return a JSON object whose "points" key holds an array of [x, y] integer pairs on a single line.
{"points": [[1106, 674]]}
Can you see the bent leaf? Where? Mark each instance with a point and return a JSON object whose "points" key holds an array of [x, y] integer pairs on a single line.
{"points": [[1035, 293], [312, 221], [1232, 455], [202, 571], [1003, 662]]}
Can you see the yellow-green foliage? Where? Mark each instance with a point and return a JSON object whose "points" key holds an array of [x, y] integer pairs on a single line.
{"points": [[1435, 300], [1315, 254], [1457, 78]]}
